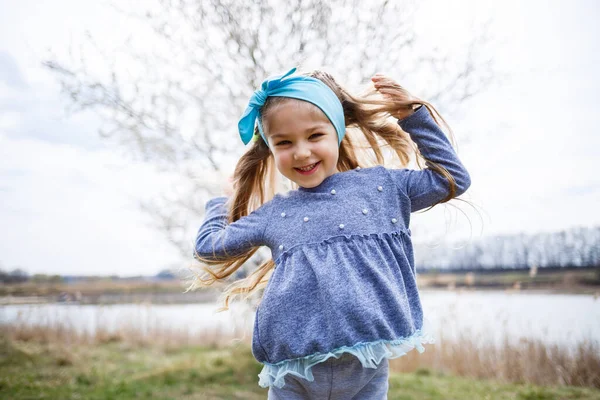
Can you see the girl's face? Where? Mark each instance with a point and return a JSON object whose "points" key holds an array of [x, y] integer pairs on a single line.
{"points": [[303, 141]]}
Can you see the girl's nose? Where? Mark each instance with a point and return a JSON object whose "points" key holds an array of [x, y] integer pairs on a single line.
{"points": [[302, 153]]}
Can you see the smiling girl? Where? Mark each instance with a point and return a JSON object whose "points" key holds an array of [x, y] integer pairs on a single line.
{"points": [[341, 296]]}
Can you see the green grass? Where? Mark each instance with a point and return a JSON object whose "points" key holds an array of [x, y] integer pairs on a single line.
{"points": [[425, 385], [118, 371]]}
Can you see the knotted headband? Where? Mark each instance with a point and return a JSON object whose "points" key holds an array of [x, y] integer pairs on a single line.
{"points": [[297, 87]]}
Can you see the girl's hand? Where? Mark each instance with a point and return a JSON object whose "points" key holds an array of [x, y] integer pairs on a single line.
{"points": [[391, 90]]}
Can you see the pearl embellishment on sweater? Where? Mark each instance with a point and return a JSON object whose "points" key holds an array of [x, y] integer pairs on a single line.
{"points": [[358, 168], [340, 226]]}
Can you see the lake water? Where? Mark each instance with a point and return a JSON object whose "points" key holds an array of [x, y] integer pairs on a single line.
{"points": [[484, 316]]}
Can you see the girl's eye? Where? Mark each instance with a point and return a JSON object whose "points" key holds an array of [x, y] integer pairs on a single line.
{"points": [[282, 143], [315, 135]]}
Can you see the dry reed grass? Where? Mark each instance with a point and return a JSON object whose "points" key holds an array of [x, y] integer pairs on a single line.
{"points": [[140, 329], [526, 361]]}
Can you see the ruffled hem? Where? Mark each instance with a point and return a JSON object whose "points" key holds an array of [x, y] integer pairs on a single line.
{"points": [[370, 355]]}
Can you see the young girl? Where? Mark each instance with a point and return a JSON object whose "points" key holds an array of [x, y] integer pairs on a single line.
{"points": [[342, 297]]}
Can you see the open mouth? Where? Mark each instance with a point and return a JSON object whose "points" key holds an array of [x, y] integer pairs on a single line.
{"points": [[308, 169]]}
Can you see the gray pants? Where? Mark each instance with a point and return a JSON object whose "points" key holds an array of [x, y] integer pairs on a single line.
{"points": [[341, 378]]}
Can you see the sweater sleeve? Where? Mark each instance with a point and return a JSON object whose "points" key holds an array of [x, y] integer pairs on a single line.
{"points": [[217, 238], [426, 187]]}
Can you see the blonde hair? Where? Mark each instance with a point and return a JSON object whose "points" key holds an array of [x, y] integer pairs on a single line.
{"points": [[368, 122]]}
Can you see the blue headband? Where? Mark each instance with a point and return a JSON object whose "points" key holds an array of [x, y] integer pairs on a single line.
{"points": [[297, 87]]}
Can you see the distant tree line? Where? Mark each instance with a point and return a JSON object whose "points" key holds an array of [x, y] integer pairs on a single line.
{"points": [[15, 276], [577, 247]]}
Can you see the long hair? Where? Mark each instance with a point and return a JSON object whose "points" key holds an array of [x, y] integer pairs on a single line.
{"points": [[372, 138]]}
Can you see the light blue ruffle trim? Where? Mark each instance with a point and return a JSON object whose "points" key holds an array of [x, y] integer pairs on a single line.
{"points": [[370, 355]]}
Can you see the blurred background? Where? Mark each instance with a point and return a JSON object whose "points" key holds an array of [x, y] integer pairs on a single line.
{"points": [[118, 121]]}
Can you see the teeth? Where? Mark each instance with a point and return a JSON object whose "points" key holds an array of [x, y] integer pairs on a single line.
{"points": [[308, 168]]}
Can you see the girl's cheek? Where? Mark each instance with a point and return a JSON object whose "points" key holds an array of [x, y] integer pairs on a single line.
{"points": [[281, 159], [285, 154]]}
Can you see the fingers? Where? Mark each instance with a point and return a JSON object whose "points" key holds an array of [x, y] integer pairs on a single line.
{"points": [[388, 94], [383, 85], [389, 88], [380, 80], [378, 77]]}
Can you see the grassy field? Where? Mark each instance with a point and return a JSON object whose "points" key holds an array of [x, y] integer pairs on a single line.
{"points": [[117, 370], [57, 362], [472, 356]]}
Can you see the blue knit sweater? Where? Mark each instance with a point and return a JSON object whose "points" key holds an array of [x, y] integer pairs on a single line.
{"points": [[344, 278]]}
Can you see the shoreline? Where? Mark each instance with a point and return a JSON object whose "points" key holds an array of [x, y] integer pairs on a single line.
{"points": [[212, 296]]}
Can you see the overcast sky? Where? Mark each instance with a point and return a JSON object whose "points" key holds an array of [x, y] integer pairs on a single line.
{"points": [[68, 200]]}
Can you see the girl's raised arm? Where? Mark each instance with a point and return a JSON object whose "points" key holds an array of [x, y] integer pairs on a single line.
{"points": [[427, 187], [217, 238]]}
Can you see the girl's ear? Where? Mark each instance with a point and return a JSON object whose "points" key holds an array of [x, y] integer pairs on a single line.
{"points": [[228, 186]]}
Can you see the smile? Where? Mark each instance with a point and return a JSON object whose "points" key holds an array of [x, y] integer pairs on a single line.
{"points": [[308, 169]]}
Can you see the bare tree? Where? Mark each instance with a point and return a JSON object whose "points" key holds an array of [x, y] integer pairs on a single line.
{"points": [[176, 102]]}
